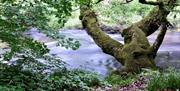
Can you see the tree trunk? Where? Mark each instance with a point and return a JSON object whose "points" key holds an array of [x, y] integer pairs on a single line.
{"points": [[136, 53]]}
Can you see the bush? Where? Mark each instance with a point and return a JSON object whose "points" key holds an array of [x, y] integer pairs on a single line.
{"points": [[76, 80], [12, 78]]}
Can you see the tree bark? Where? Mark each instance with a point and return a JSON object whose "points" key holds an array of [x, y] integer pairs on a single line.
{"points": [[136, 53], [106, 43], [159, 40], [156, 17]]}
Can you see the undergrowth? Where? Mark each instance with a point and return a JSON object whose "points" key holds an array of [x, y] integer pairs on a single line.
{"points": [[27, 75], [118, 81], [165, 80]]}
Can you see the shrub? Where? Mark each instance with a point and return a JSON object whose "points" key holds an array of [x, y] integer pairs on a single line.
{"points": [[12, 78], [76, 80]]}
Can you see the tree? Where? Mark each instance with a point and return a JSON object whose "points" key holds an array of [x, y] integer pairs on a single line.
{"points": [[137, 52]]}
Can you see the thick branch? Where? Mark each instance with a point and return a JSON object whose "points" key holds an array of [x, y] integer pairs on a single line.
{"points": [[90, 22], [152, 21], [155, 18], [159, 39]]}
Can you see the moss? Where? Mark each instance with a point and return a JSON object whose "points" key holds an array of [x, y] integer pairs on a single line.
{"points": [[156, 16], [90, 22], [136, 52]]}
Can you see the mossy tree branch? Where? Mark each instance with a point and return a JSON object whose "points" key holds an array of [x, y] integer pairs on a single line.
{"points": [[156, 16], [159, 39], [105, 42]]}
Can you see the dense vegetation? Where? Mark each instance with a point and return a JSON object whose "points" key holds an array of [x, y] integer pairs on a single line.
{"points": [[28, 73], [13, 78]]}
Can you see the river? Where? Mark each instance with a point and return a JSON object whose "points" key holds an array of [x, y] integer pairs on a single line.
{"points": [[90, 57]]}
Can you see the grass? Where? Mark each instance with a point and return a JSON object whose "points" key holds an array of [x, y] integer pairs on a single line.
{"points": [[165, 80], [119, 81], [157, 80]]}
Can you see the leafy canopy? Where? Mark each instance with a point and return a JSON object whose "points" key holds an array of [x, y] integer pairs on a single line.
{"points": [[17, 16]]}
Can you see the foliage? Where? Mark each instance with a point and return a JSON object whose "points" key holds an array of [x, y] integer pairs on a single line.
{"points": [[44, 74], [113, 13], [63, 41], [165, 80], [117, 13], [19, 44], [174, 18], [75, 80], [118, 80], [156, 80], [63, 9], [14, 78], [18, 16]]}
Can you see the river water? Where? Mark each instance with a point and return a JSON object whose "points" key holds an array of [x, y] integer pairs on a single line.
{"points": [[90, 57]]}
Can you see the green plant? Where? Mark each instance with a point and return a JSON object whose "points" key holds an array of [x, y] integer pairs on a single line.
{"points": [[118, 80], [165, 80], [19, 78], [13, 78], [76, 80], [18, 16]]}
